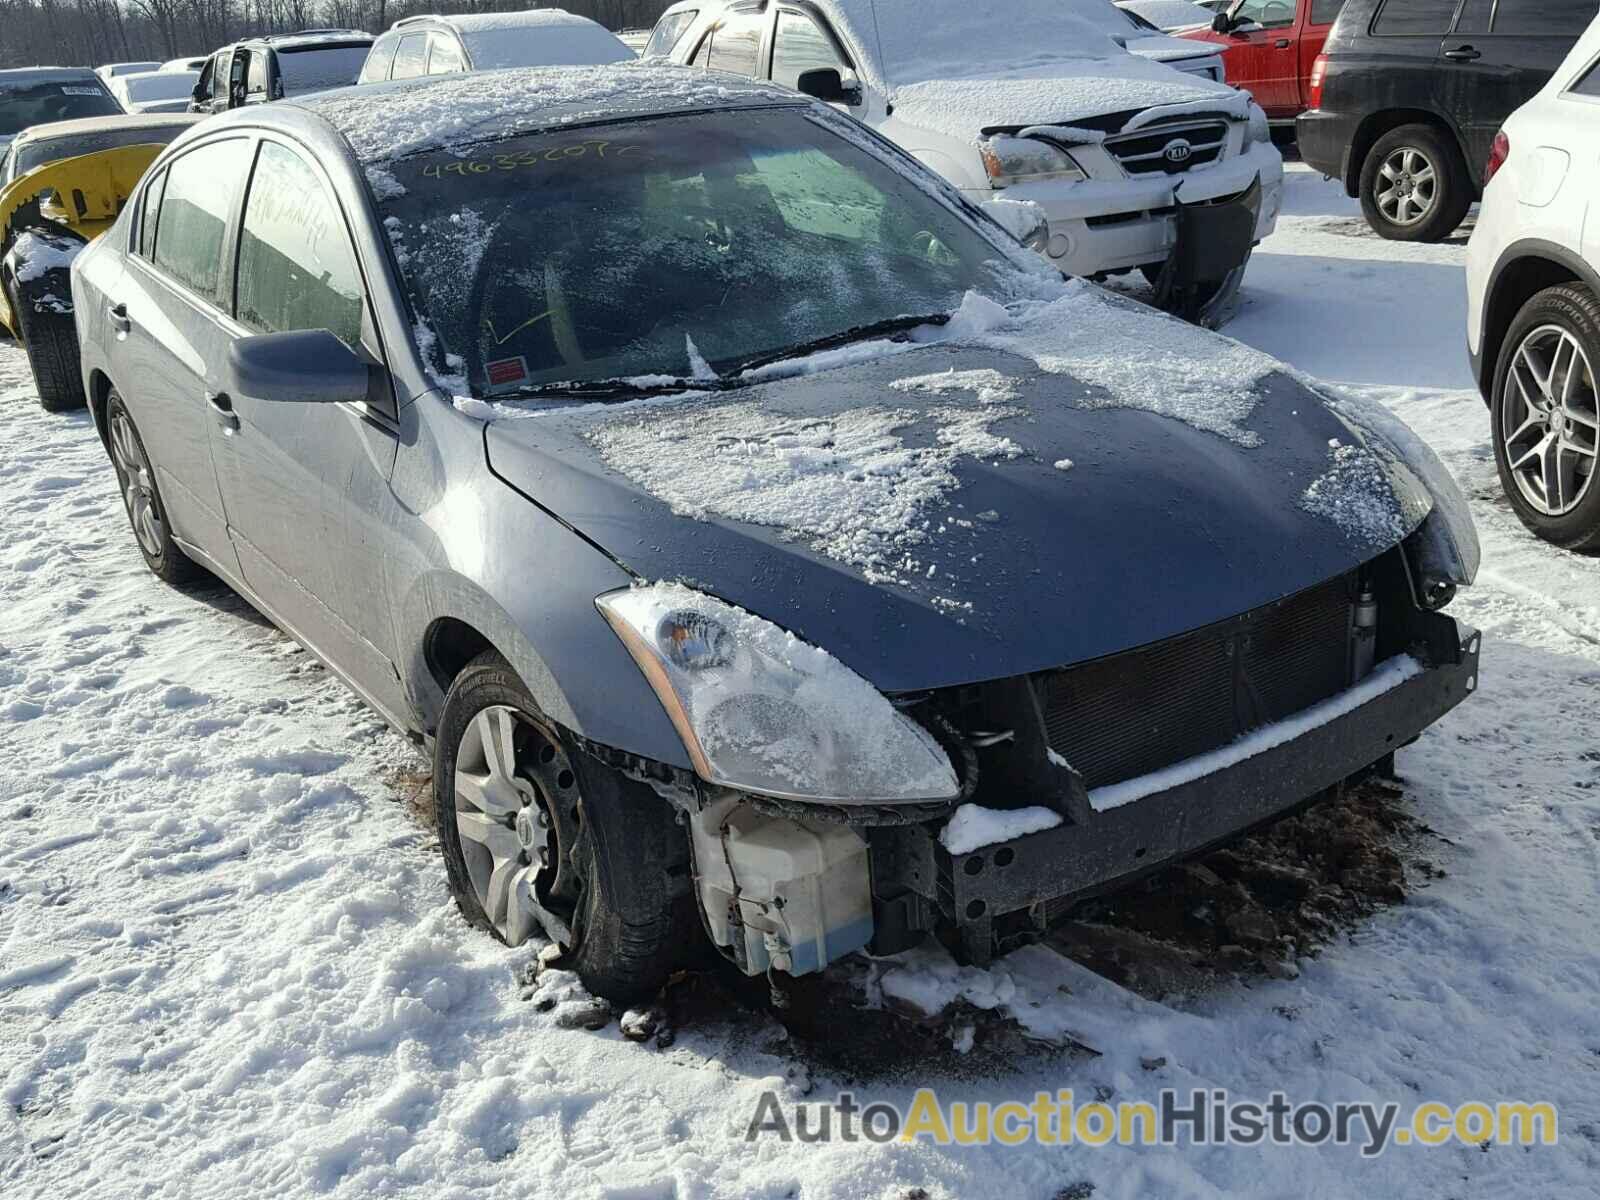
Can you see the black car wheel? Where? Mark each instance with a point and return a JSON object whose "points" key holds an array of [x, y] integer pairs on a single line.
{"points": [[51, 341], [1546, 414], [536, 834], [1414, 185], [142, 499]]}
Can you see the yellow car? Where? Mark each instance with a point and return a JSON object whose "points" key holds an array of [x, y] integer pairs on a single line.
{"points": [[61, 186]]}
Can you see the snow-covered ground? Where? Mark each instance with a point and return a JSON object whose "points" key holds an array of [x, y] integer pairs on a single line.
{"points": [[229, 966]]}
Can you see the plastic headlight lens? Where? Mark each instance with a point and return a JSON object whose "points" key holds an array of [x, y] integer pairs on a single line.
{"points": [[760, 710], [1257, 130], [1010, 160]]}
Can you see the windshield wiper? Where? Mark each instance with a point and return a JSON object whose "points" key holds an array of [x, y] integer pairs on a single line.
{"points": [[620, 389], [833, 341]]}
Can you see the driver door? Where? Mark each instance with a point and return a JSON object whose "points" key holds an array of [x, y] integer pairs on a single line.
{"points": [[1261, 54]]}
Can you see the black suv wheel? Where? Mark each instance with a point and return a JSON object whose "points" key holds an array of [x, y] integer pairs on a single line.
{"points": [[1414, 185]]}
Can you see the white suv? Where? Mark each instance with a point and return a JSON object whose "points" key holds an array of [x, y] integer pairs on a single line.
{"points": [[1041, 106], [1533, 302]]}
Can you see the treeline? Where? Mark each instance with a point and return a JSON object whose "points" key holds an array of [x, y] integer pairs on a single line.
{"points": [[91, 32]]}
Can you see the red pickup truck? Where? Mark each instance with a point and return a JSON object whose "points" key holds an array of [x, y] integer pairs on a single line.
{"points": [[1269, 48]]}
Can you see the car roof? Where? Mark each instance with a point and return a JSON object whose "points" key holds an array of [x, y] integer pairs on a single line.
{"points": [[489, 21], [308, 39], [390, 120], [81, 125], [28, 76]]}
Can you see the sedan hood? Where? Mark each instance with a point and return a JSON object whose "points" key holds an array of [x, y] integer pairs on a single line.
{"points": [[953, 514], [1073, 92], [1163, 49]]}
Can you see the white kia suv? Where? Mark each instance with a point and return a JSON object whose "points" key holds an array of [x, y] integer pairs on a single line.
{"points": [[1533, 302]]}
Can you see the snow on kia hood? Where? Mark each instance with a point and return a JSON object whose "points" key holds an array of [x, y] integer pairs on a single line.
{"points": [[1068, 93], [1025, 489]]}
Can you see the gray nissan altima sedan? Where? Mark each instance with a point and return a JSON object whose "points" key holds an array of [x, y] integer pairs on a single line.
{"points": [[770, 550]]}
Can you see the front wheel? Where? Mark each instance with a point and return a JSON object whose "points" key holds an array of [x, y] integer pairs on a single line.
{"points": [[536, 834], [1414, 185], [1546, 416]]}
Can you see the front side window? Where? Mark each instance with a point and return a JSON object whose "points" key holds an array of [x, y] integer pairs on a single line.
{"points": [[376, 68], [257, 84], [1415, 18], [1588, 84], [737, 44], [202, 187], [593, 255], [443, 57], [411, 58], [236, 77], [296, 267], [1268, 14], [801, 46], [664, 38], [1543, 18]]}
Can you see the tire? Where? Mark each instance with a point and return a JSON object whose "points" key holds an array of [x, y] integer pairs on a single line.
{"points": [[1393, 203], [1556, 492], [141, 498], [51, 340], [601, 853]]}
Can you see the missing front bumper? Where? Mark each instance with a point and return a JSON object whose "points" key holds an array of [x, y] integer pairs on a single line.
{"points": [[1029, 879]]}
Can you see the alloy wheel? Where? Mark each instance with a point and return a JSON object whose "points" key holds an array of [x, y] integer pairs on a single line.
{"points": [[138, 486], [1549, 420], [516, 808], [1407, 186]]}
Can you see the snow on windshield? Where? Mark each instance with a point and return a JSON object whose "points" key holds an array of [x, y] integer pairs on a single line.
{"points": [[847, 484], [539, 37]]}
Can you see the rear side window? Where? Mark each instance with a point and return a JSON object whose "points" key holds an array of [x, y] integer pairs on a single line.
{"points": [[1415, 18], [736, 44], [192, 223], [444, 58], [297, 269], [257, 84], [376, 68], [1543, 18], [1325, 12], [410, 58], [667, 32], [148, 214]]}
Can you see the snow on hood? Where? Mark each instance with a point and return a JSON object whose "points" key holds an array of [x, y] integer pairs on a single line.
{"points": [[1056, 95], [1164, 49]]}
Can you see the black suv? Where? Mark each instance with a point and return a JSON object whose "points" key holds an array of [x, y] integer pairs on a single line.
{"points": [[257, 70], [1408, 95]]}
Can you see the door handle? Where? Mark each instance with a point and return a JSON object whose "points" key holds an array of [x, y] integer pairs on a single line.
{"points": [[118, 315], [222, 408], [1281, 44], [1463, 54]]}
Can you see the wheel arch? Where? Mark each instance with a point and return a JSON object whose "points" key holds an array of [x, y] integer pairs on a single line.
{"points": [[1375, 125], [1525, 269], [99, 392]]}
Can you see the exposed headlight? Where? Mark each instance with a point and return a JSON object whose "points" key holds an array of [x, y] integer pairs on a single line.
{"points": [[762, 711], [1010, 160], [1257, 130]]}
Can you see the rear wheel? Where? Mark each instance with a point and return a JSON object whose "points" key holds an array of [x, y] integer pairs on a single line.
{"points": [[1546, 416], [1414, 185], [142, 499], [539, 835], [51, 341]]}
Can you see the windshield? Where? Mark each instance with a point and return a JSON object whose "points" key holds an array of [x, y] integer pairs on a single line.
{"points": [[543, 45], [650, 248], [21, 107], [32, 155], [317, 68], [160, 85], [924, 40]]}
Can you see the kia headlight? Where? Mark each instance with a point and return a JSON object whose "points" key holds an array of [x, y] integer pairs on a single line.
{"points": [[1256, 128], [762, 711], [1009, 160]]}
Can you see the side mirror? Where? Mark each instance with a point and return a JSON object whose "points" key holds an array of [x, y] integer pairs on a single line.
{"points": [[827, 85], [1221, 24], [309, 366]]}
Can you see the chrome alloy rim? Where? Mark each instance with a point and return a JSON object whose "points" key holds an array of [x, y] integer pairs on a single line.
{"points": [[138, 488], [1407, 186], [1549, 421], [516, 813]]}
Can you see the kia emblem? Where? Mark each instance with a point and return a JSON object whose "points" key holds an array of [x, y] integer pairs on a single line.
{"points": [[1177, 152]]}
